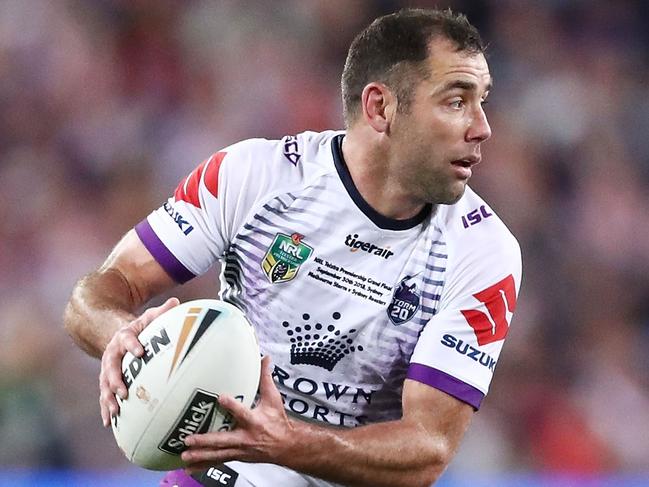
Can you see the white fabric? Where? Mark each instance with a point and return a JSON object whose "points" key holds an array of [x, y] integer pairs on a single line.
{"points": [[359, 268]]}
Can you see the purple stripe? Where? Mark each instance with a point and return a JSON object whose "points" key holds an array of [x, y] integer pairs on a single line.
{"points": [[178, 478], [162, 254], [254, 242], [447, 383], [435, 268]]}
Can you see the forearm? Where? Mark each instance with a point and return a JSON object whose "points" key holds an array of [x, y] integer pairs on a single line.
{"points": [[107, 299], [100, 303], [386, 454], [413, 451]]}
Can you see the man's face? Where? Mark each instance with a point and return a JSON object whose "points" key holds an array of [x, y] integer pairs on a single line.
{"points": [[438, 140]]}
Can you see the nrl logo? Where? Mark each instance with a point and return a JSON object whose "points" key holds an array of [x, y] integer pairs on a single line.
{"points": [[284, 257]]}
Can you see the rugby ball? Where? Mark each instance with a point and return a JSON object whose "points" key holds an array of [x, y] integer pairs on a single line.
{"points": [[193, 353]]}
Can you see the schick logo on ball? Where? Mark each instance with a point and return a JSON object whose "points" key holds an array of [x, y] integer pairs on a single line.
{"points": [[284, 257], [405, 302], [196, 419]]}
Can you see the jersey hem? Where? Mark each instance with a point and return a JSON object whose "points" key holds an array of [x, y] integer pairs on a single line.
{"points": [[162, 254], [446, 383]]}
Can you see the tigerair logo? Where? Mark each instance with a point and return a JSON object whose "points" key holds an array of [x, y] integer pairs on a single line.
{"points": [[354, 244], [188, 325]]}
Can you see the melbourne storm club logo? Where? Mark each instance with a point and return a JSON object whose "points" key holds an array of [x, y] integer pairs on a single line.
{"points": [[320, 345], [405, 302], [284, 257]]}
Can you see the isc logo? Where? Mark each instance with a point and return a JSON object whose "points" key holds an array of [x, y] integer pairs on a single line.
{"points": [[219, 476], [476, 216], [291, 149]]}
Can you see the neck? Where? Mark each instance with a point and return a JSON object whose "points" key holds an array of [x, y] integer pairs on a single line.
{"points": [[369, 165]]}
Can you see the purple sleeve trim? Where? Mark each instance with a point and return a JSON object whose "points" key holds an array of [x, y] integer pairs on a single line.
{"points": [[447, 383], [162, 254], [178, 478]]}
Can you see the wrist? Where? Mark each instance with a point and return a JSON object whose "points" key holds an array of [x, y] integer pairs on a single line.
{"points": [[303, 442]]}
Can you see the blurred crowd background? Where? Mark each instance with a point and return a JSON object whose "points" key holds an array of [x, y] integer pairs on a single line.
{"points": [[106, 104]]}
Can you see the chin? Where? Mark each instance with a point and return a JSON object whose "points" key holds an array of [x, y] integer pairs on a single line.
{"points": [[451, 197], [452, 201]]}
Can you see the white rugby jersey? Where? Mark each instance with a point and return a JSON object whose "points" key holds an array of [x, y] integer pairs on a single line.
{"points": [[347, 302]]}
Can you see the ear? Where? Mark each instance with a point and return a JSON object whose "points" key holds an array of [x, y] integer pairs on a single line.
{"points": [[379, 105]]}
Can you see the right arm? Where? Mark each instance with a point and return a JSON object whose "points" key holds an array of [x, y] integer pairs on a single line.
{"points": [[101, 314], [194, 228]]}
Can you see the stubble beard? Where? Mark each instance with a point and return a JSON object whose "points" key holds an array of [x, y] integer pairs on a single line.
{"points": [[436, 187], [430, 181]]}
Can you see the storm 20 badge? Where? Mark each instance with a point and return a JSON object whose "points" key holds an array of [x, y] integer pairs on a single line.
{"points": [[405, 301], [284, 257]]}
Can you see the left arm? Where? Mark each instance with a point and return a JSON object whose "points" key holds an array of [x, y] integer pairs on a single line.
{"points": [[412, 451]]}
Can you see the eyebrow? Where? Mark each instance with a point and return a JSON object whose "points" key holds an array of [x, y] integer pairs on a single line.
{"points": [[463, 85]]}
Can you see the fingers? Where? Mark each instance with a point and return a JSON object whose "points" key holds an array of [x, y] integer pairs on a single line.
{"points": [[110, 377], [107, 401], [203, 459], [111, 382], [153, 313], [266, 378], [214, 440], [135, 327], [128, 340], [212, 447], [240, 413], [111, 362], [257, 434], [267, 389]]}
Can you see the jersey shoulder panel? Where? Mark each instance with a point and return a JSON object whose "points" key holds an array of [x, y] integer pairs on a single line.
{"points": [[458, 349], [197, 223], [263, 166], [480, 246]]}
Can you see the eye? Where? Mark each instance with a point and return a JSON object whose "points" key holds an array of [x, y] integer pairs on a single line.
{"points": [[457, 104]]}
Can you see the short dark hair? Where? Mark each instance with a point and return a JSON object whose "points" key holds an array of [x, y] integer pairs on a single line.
{"points": [[392, 50]]}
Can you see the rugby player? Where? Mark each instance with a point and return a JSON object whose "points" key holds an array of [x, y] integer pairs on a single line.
{"points": [[381, 287]]}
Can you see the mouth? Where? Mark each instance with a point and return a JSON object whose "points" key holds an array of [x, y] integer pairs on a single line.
{"points": [[467, 161], [463, 166]]}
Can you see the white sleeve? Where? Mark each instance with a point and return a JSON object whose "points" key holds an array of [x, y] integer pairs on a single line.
{"points": [[460, 346], [194, 227]]}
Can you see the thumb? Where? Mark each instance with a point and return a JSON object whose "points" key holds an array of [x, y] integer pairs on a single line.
{"points": [[152, 313], [168, 304]]}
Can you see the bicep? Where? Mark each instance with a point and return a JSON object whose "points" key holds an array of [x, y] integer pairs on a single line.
{"points": [[145, 277], [443, 418]]}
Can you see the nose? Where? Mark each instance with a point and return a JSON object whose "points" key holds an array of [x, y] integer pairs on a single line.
{"points": [[479, 129]]}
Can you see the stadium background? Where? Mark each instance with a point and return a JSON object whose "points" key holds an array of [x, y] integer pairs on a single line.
{"points": [[106, 104]]}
